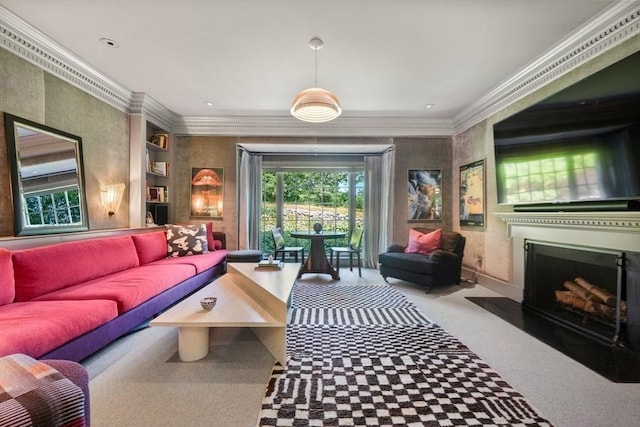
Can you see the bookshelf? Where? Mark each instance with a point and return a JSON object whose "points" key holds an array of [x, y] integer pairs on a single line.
{"points": [[151, 159]]}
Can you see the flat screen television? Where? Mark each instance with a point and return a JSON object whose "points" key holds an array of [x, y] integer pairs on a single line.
{"points": [[578, 149]]}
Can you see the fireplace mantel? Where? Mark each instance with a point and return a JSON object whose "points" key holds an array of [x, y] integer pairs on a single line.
{"points": [[605, 230], [627, 222]]}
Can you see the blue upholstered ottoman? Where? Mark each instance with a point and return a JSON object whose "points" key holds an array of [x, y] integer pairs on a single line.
{"points": [[244, 255]]}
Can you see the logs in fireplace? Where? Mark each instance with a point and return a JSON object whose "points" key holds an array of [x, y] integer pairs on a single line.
{"points": [[591, 290]]}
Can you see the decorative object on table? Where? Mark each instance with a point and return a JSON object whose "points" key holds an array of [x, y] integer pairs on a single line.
{"points": [[317, 227], [424, 194], [207, 192], [472, 195], [208, 303]]}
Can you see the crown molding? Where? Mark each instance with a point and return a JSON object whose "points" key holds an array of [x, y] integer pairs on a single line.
{"points": [[289, 126], [618, 23], [612, 27], [28, 43], [155, 112]]}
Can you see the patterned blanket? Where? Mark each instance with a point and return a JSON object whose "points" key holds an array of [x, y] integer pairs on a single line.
{"points": [[34, 394]]}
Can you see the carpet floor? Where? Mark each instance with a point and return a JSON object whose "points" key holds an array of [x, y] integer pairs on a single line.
{"points": [[365, 355]]}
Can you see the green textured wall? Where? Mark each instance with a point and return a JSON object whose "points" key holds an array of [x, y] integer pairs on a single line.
{"points": [[29, 92]]}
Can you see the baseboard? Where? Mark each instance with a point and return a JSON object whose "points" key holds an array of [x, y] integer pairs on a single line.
{"points": [[502, 287]]}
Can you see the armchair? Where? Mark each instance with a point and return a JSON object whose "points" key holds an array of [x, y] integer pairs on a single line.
{"points": [[441, 267]]}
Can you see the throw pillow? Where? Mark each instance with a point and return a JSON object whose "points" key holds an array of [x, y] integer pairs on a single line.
{"points": [[184, 240], [211, 243], [424, 243]]}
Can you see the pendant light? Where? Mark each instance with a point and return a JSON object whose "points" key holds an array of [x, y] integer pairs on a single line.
{"points": [[315, 105]]}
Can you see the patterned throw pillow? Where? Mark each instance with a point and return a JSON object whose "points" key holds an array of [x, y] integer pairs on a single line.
{"points": [[184, 240], [422, 243]]}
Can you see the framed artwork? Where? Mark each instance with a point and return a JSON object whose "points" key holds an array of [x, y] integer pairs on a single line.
{"points": [[207, 192], [424, 194], [472, 195]]}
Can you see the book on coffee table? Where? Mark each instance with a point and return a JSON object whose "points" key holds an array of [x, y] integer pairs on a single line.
{"points": [[265, 263]]}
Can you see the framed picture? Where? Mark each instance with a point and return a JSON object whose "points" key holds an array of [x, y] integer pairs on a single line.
{"points": [[207, 192], [472, 195], [424, 194]]}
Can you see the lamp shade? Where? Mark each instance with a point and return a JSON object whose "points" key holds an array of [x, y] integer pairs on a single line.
{"points": [[111, 196], [315, 105]]}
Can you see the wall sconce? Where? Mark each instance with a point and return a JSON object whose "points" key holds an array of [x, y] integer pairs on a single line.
{"points": [[111, 196]]}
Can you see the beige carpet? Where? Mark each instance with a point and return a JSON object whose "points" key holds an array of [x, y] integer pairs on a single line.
{"points": [[138, 381]]}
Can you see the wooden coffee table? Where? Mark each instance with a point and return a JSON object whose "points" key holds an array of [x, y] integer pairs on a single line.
{"points": [[250, 297]]}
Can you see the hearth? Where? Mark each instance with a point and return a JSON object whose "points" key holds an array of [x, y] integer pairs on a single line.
{"points": [[585, 288]]}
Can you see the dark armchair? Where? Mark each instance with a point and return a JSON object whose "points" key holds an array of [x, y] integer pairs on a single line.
{"points": [[440, 268]]}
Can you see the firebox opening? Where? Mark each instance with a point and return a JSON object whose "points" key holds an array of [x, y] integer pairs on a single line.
{"points": [[581, 288]]}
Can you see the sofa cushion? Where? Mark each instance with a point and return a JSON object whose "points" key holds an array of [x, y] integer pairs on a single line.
{"points": [[201, 262], [7, 282], [417, 263], [185, 240], [39, 271], [150, 246], [35, 328], [424, 243], [128, 288]]}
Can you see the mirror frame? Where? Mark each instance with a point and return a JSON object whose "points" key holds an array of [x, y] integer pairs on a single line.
{"points": [[20, 227]]}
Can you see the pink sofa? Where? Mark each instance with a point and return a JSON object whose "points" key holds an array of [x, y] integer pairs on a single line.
{"points": [[68, 300]]}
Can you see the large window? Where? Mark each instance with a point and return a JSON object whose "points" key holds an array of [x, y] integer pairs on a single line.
{"points": [[295, 200]]}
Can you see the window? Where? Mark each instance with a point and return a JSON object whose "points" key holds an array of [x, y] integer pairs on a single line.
{"points": [[295, 200], [59, 207]]}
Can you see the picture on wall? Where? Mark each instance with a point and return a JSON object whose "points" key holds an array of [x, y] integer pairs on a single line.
{"points": [[472, 195], [424, 194], [207, 192]]}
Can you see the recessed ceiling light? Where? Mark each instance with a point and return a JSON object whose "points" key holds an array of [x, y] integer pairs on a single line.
{"points": [[111, 43], [429, 106], [209, 103]]}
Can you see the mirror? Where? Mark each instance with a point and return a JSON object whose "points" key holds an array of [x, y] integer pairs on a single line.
{"points": [[47, 179]]}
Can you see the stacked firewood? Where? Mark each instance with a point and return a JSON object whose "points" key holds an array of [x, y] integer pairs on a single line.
{"points": [[584, 296]]}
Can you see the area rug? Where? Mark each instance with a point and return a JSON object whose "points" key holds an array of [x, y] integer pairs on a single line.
{"points": [[364, 355]]}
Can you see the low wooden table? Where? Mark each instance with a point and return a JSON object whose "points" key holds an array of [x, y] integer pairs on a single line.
{"points": [[256, 298]]}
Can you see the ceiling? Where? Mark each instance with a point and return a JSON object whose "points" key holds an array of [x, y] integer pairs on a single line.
{"points": [[383, 58]]}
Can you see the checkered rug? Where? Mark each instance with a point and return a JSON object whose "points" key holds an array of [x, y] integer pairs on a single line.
{"points": [[365, 356]]}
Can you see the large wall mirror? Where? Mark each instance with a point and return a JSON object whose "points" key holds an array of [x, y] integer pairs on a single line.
{"points": [[47, 178]]}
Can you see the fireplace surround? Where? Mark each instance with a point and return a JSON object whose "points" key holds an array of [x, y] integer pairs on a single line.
{"points": [[605, 247]]}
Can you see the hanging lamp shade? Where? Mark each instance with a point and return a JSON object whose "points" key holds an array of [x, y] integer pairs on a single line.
{"points": [[315, 105]]}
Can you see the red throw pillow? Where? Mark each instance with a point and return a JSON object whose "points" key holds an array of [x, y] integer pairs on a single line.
{"points": [[421, 243], [211, 243]]}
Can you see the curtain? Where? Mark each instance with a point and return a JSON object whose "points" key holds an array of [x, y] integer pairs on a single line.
{"points": [[378, 205], [249, 200]]}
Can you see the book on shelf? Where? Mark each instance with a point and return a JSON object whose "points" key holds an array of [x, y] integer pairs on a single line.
{"points": [[265, 263], [157, 194], [161, 140], [160, 168]]}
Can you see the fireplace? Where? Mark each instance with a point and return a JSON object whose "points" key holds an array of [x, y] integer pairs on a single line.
{"points": [[587, 289], [551, 252]]}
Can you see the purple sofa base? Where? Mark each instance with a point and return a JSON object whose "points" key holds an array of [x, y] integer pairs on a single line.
{"points": [[82, 347]]}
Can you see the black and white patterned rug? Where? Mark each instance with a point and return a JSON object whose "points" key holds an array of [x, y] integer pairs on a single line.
{"points": [[364, 355]]}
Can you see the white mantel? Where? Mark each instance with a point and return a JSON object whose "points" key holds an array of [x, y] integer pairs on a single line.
{"points": [[606, 230]]}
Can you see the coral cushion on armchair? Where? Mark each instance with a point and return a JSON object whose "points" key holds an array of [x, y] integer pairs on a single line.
{"points": [[7, 283], [424, 243]]}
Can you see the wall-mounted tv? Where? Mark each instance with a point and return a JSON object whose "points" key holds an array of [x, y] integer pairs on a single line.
{"points": [[577, 148]]}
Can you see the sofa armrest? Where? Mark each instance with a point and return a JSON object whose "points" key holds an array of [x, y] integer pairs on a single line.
{"points": [[396, 248], [219, 235], [442, 256]]}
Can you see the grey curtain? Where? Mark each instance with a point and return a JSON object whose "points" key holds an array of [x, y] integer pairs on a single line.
{"points": [[249, 200], [378, 205]]}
